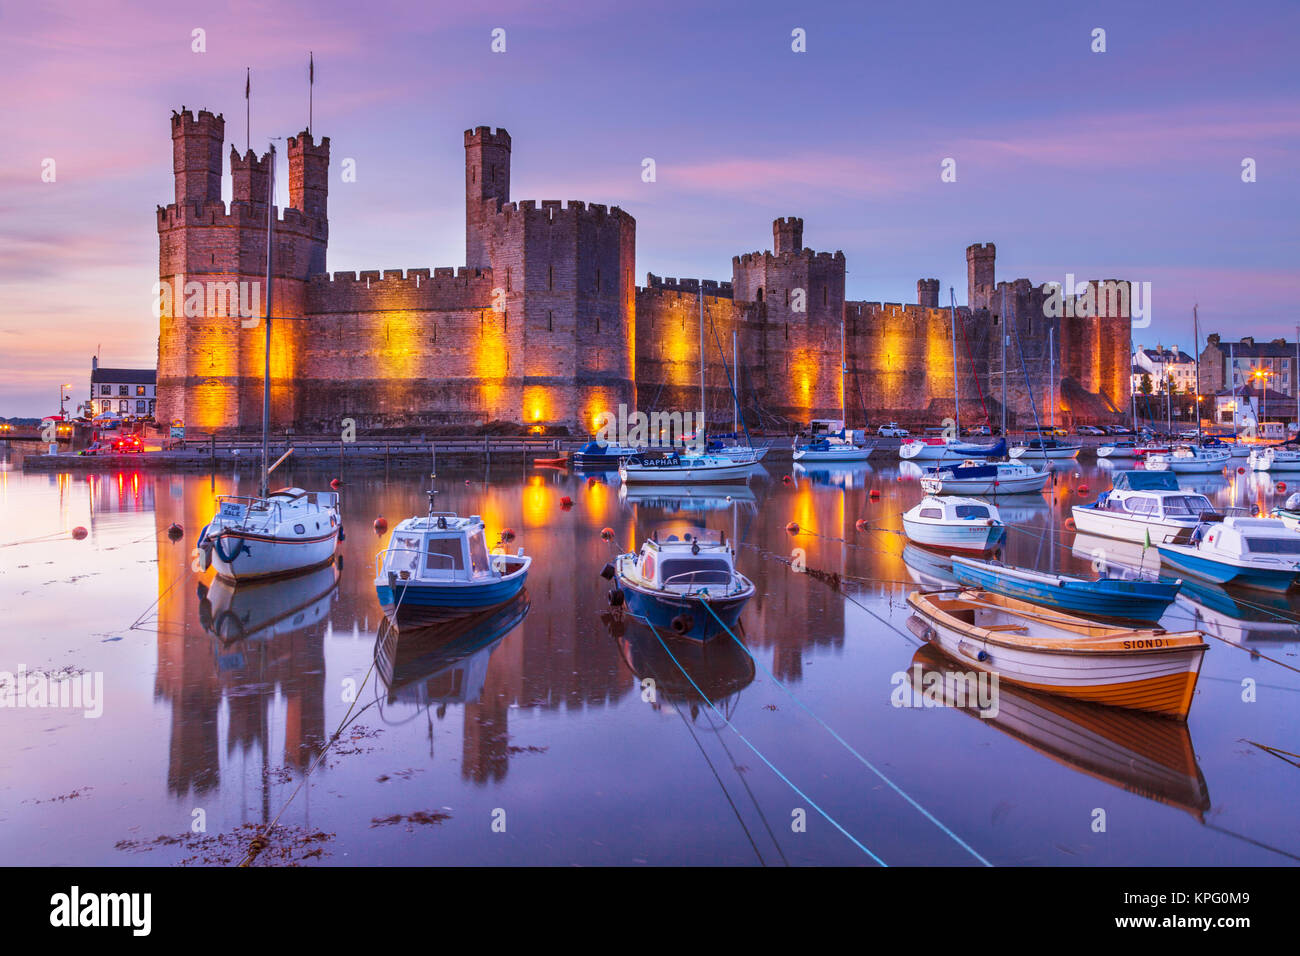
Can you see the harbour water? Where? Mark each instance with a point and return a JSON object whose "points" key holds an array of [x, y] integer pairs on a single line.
{"points": [[552, 733]]}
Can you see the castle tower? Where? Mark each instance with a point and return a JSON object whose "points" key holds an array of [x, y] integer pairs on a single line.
{"points": [[793, 299], [487, 187], [979, 274], [250, 177], [927, 293], [787, 235], [196, 156], [309, 165], [212, 263]]}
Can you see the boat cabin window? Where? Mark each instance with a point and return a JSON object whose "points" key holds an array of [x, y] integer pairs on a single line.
{"points": [[478, 556], [444, 555], [1272, 545], [971, 511], [931, 513], [695, 572], [1187, 505], [405, 554], [1139, 506], [648, 567]]}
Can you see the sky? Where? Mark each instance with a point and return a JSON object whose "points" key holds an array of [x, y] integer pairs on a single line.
{"points": [[1125, 163]]}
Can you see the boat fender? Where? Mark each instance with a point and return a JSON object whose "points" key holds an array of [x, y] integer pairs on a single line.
{"points": [[340, 557], [175, 531], [341, 539], [922, 630], [201, 590], [607, 572], [682, 623], [974, 653], [695, 547], [615, 597], [225, 556]]}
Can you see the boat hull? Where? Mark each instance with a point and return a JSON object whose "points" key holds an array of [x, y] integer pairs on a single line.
{"points": [[695, 475], [1108, 598], [833, 454], [1029, 484], [1157, 673], [682, 615], [1041, 454], [411, 603], [976, 537], [1187, 560], [259, 556], [1109, 524]]}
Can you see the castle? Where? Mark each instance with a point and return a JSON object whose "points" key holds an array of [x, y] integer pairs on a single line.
{"points": [[544, 326]]}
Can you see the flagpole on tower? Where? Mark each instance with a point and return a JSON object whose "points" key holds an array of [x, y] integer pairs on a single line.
{"points": [[248, 110], [311, 85]]}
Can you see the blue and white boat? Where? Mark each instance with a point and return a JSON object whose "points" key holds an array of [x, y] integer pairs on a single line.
{"points": [[1258, 553], [596, 456], [940, 448], [961, 524], [831, 449], [1045, 449], [984, 478], [1105, 597], [670, 582], [441, 561]]}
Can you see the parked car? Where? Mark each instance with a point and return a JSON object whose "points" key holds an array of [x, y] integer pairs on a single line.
{"points": [[1050, 430], [1117, 429], [128, 444], [1089, 430], [977, 430], [892, 430], [1187, 433]]}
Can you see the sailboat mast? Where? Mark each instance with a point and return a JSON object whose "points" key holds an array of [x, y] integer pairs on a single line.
{"points": [[1196, 352], [701, 428], [735, 405], [1004, 361], [1232, 370], [844, 374], [266, 369], [956, 390], [1051, 375]]}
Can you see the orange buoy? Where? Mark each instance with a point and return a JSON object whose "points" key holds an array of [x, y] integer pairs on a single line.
{"points": [[1069, 524], [175, 532], [861, 524], [466, 481], [79, 532], [1240, 470], [1083, 488], [1281, 486], [335, 483], [381, 525], [792, 527], [508, 534], [566, 502], [786, 480], [607, 534], [874, 493]]}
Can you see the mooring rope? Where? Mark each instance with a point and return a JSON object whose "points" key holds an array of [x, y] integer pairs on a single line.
{"points": [[847, 746], [790, 783]]}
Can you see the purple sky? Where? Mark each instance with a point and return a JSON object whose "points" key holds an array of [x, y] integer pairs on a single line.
{"points": [[1118, 164]]}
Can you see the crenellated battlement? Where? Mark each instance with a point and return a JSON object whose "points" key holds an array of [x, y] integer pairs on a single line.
{"points": [[669, 284], [767, 257], [487, 136], [185, 120], [236, 215], [553, 210]]}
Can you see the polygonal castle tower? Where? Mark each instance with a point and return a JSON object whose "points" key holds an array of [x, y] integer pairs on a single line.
{"points": [[212, 259]]}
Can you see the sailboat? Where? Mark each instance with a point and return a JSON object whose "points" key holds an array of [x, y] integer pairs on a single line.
{"points": [[836, 445], [951, 448], [1042, 449], [275, 533], [672, 467]]}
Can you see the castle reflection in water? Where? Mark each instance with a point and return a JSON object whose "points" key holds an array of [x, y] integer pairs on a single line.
{"points": [[256, 649]]}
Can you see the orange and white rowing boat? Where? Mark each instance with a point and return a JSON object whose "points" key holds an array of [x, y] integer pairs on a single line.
{"points": [[1147, 669]]}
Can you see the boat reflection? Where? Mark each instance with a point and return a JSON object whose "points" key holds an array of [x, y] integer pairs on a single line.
{"points": [[830, 475], [265, 610], [444, 663], [932, 569], [1238, 616], [688, 497], [1117, 559], [719, 669], [1141, 753]]}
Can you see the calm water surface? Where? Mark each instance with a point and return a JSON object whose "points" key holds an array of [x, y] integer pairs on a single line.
{"points": [[217, 701]]}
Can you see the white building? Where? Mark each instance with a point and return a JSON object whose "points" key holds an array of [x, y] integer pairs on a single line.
{"points": [[122, 391], [1164, 364]]}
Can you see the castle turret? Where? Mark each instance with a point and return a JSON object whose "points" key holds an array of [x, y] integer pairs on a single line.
{"points": [[927, 293], [309, 167], [787, 235], [487, 187], [196, 156], [979, 274], [249, 177]]}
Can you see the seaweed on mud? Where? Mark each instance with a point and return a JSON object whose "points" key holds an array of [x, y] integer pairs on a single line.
{"points": [[284, 846]]}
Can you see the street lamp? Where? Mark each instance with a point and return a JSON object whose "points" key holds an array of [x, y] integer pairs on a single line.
{"points": [[63, 398], [1262, 374]]}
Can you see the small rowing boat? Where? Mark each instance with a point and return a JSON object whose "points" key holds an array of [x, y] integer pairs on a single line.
{"points": [[1147, 669], [1125, 600]]}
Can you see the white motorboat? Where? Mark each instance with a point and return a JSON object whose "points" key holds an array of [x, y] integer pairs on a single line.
{"points": [[1118, 451], [672, 468], [960, 524], [1045, 449], [1272, 458], [948, 449], [827, 450], [1289, 512], [1142, 506], [1260, 553], [281, 533], [984, 478], [1189, 460]]}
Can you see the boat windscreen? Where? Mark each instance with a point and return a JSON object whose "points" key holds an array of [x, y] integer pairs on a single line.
{"points": [[1187, 504], [444, 555], [971, 511], [696, 572]]}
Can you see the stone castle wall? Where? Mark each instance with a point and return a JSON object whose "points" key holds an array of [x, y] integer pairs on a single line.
{"points": [[544, 326]]}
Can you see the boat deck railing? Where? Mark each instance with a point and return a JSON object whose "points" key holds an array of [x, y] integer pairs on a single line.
{"points": [[416, 573]]}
